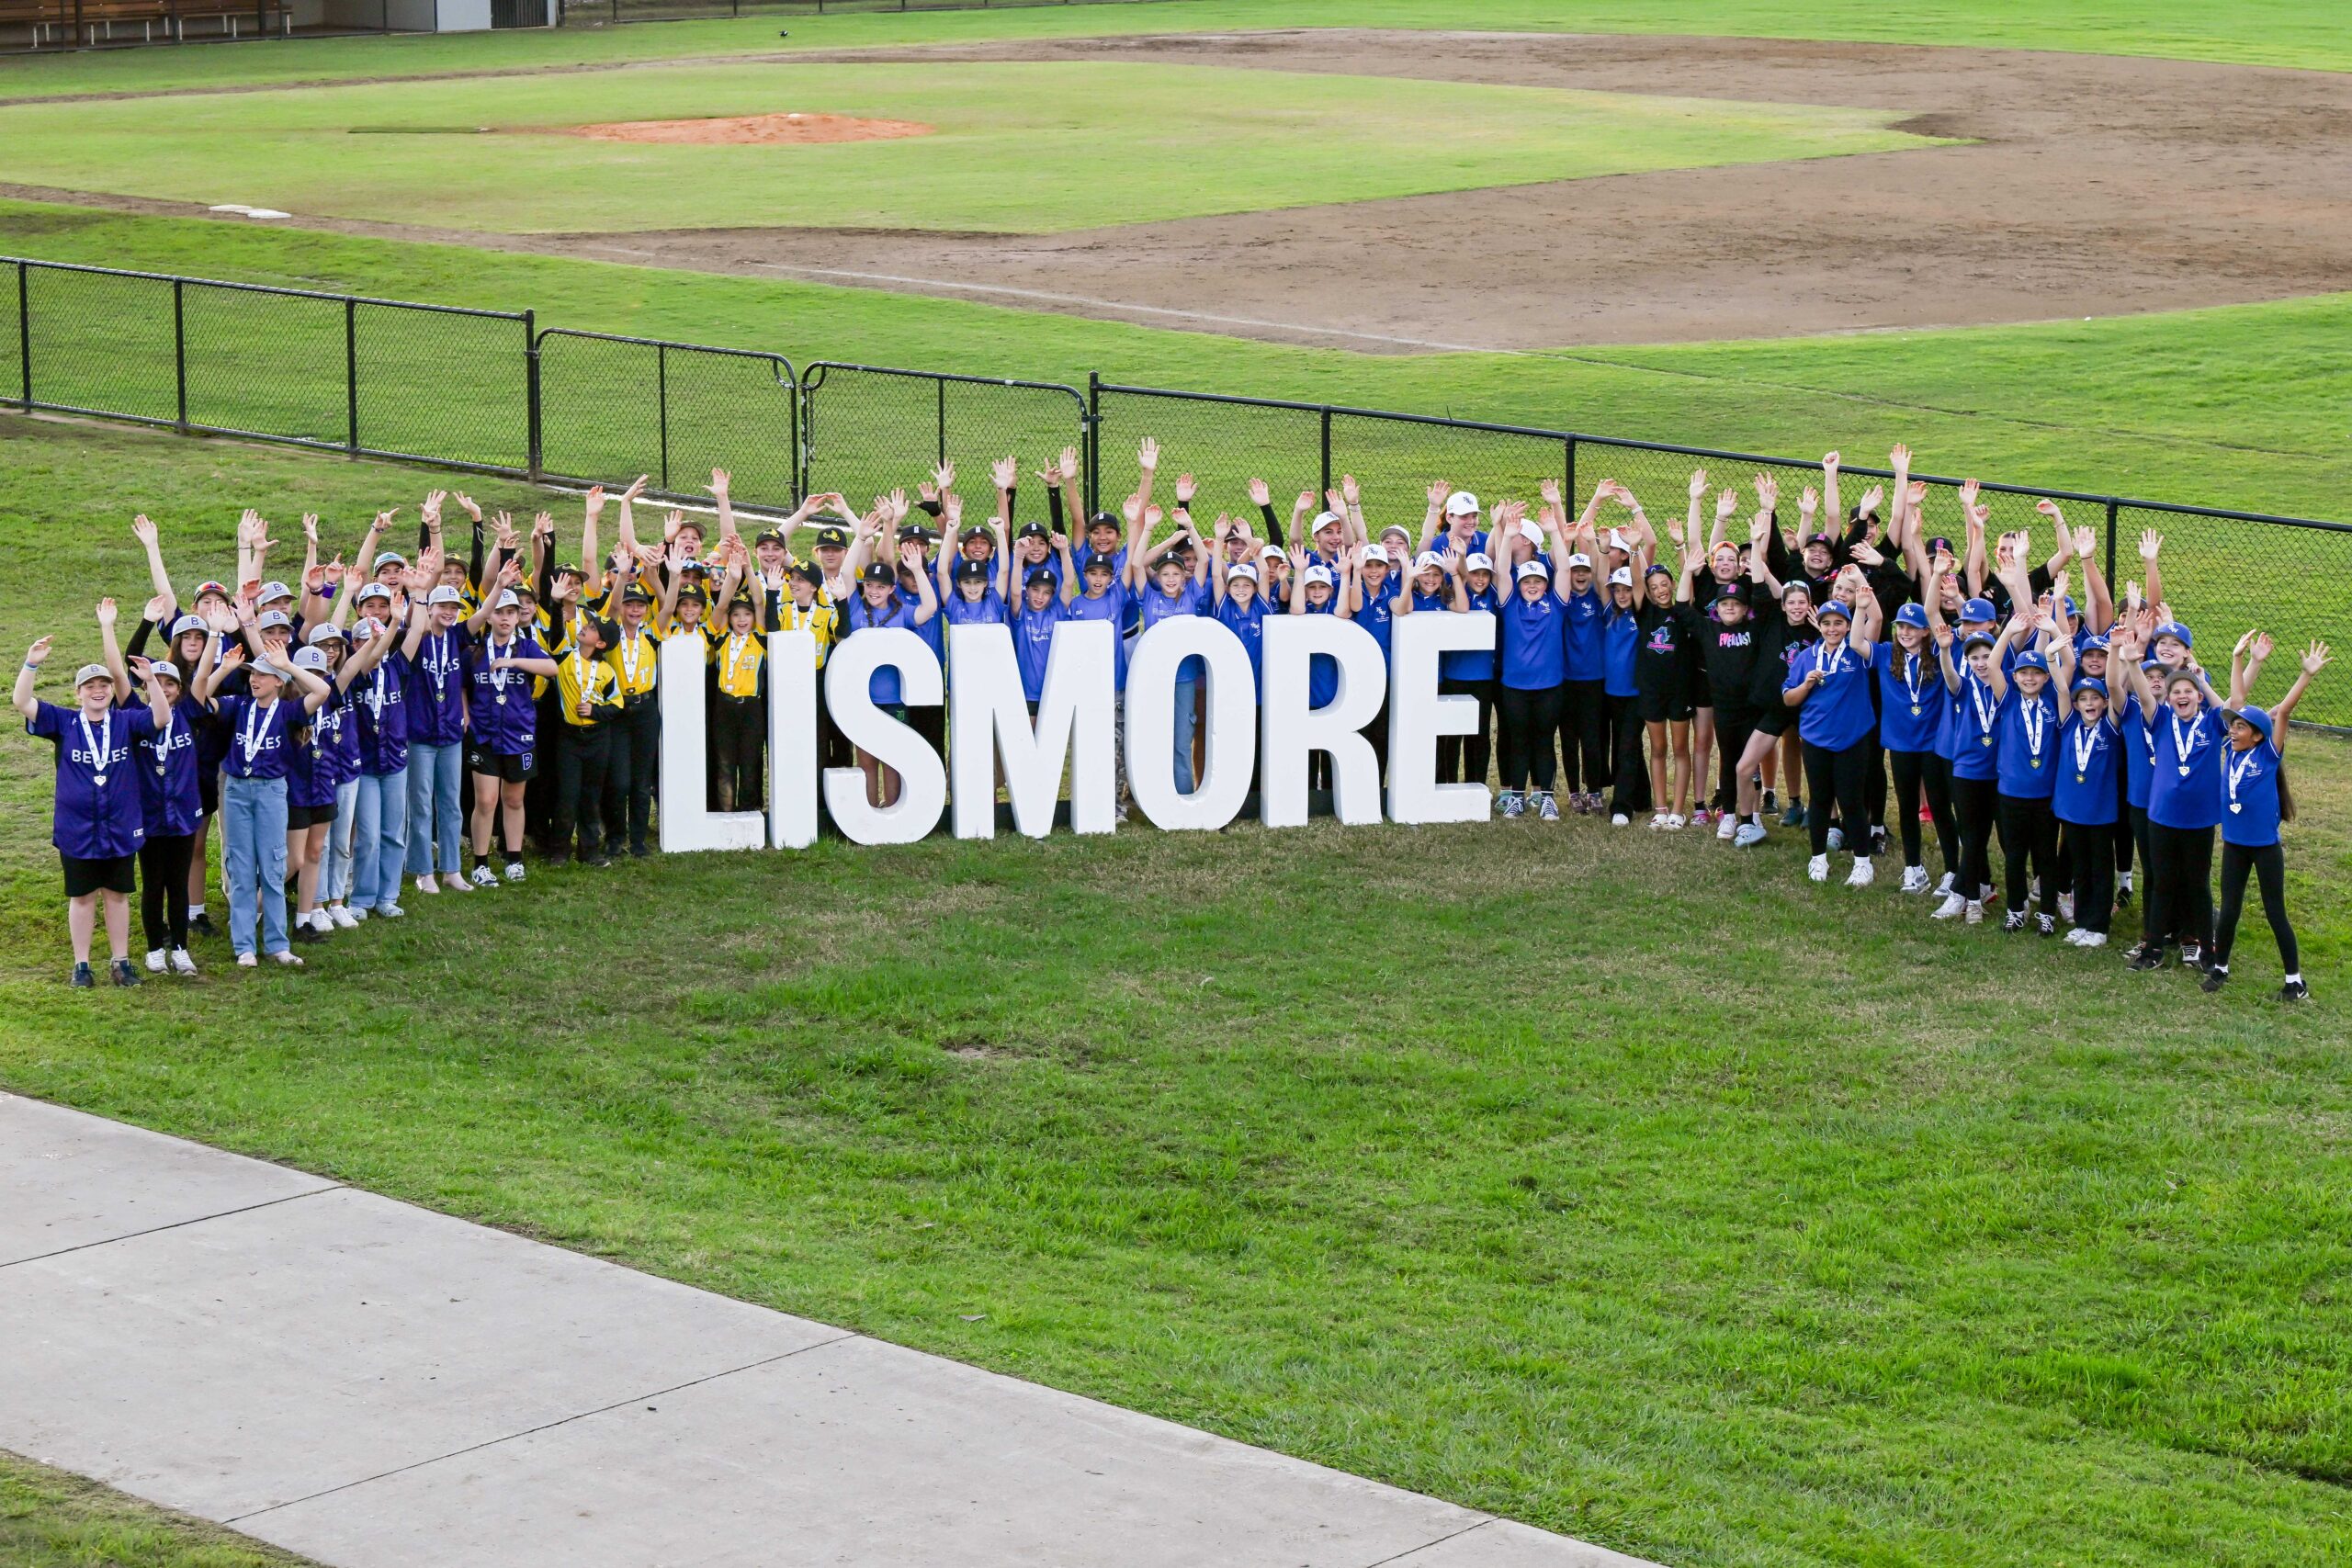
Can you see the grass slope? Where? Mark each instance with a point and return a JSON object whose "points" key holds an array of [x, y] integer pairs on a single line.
{"points": [[1617, 1184], [1022, 148], [2254, 32], [51, 1520]]}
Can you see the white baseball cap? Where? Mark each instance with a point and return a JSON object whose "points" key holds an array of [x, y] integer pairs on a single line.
{"points": [[1376, 552], [163, 669], [1479, 561], [89, 673], [1529, 530], [1534, 569], [445, 594], [374, 591], [269, 618], [1462, 503], [366, 628], [506, 601], [325, 631], [389, 558], [274, 591], [1427, 560], [1241, 568], [309, 658], [1324, 520], [187, 623], [1621, 577], [1580, 560], [1318, 573]]}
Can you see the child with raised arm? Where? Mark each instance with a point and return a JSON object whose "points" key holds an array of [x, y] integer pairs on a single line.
{"points": [[2254, 785]]}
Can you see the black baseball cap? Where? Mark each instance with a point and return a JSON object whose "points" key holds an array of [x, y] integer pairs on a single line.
{"points": [[878, 571], [976, 532], [1035, 531], [1103, 520], [808, 574], [634, 594], [692, 594], [1038, 574], [1105, 562], [832, 537], [967, 570], [769, 536]]}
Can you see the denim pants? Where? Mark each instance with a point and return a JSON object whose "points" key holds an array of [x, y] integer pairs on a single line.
{"points": [[1188, 713], [379, 839], [434, 818], [253, 842], [334, 870]]}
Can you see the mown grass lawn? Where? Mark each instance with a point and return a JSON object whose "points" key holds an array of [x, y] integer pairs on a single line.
{"points": [[51, 1520], [1616, 1183]]}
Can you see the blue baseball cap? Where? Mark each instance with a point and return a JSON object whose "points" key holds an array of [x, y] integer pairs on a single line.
{"points": [[1913, 614], [2091, 683], [1979, 610], [2072, 610], [1832, 607], [2172, 628], [2031, 659], [2258, 718], [2095, 643], [1975, 640]]}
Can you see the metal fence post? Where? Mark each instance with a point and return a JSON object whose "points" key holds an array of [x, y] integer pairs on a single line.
{"points": [[25, 332], [661, 401], [1570, 493], [941, 387], [533, 443], [2111, 542], [179, 346], [1326, 447], [351, 372], [1093, 448]]}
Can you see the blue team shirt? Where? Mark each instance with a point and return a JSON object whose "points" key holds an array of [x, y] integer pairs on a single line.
{"points": [[1472, 663], [1583, 615], [2250, 795], [1912, 698], [93, 821], [2088, 762], [1116, 606], [1157, 606], [2185, 788], [1249, 625], [380, 712], [1534, 652], [859, 616], [1837, 712], [1033, 645], [1322, 669], [1975, 723], [2138, 755], [258, 747], [1621, 643], [986, 611], [2026, 743], [1378, 612]]}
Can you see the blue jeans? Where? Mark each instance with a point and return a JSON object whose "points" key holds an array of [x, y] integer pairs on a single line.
{"points": [[1187, 719], [435, 817], [334, 872], [253, 844], [379, 839]]}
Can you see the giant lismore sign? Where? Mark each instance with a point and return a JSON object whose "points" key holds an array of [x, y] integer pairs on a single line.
{"points": [[1075, 730]]}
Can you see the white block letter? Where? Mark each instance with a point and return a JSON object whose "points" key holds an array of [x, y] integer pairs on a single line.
{"points": [[988, 716], [1417, 716], [792, 740], [687, 821], [1160, 653], [1290, 732], [923, 777]]}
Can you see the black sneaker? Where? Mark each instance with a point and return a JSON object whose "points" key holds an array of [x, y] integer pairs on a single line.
{"points": [[2147, 958], [1771, 802], [2216, 978], [2123, 898], [305, 933], [83, 980], [599, 860], [2014, 921], [2294, 991], [2191, 955], [2049, 924], [639, 852], [201, 925], [559, 859], [2132, 953], [124, 974]]}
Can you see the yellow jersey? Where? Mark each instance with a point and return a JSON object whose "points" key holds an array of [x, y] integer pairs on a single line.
{"points": [[635, 657], [595, 681], [737, 658]]}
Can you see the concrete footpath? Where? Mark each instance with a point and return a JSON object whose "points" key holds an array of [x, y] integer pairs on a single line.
{"points": [[380, 1386]]}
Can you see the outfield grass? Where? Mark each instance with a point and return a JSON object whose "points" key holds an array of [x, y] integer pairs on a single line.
{"points": [[1019, 148], [1607, 1181], [51, 1520], [2251, 32]]}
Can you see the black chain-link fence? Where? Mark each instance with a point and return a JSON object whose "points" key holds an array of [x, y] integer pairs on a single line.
{"points": [[477, 389]]}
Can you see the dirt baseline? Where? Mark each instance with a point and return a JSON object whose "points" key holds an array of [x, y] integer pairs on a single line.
{"points": [[2100, 185], [751, 130]]}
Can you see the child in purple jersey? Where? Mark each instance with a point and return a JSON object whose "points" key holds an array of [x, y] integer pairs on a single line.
{"points": [[98, 819], [2256, 801], [436, 734], [172, 804], [339, 751], [502, 722], [262, 720]]}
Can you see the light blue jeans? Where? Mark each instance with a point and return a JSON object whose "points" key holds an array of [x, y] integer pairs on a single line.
{"points": [[252, 856], [379, 839], [335, 873], [1188, 713], [434, 818]]}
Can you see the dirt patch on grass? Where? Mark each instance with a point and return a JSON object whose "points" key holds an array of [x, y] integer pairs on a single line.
{"points": [[748, 130]]}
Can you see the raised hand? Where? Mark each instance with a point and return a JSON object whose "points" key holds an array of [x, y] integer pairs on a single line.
{"points": [[1968, 489], [1768, 491], [1438, 489], [1698, 483], [636, 488], [1872, 497], [1550, 490], [473, 508], [1867, 556], [2049, 509], [1348, 488], [156, 608], [1305, 503], [1005, 472], [1151, 518], [1261, 496], [142, 530], [1829, 464], [1809, 502], [2150, 543], [140, 665], [1148, 455], [1726, 503], [2262, 646], [2085, 541], [311, 526], [1185, 490], [2315, 658], [1758, 527], [37, 652], [107, 612], [1132, 510], [543, 525], [430, 511], [1899, 460], [1070, 464], [720, 479]]}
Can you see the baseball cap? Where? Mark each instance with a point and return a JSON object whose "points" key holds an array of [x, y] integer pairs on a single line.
{"points": [[374, 591], [1376, 552], [367, 628], [1824, 540], [1580, 560], [1037, 574], [1479, 560], [1033, 531], [1427, 560], [1462, 503], [187, 623], [1975, 640], [271, 618], [1979, 610], [1324, 520], [1912, 615], [89, 673], [1318, 573], [508, 599], [309, 658], [1621, 577], [833, 538], [2173, 629], [769, 536], [976, 532], [264, 667], [877, 571], [2031, 659], [1734, 591], [1102, 520], [204, 588], [1533, 568], [1240, 569], [1529, 530], [2091, 683], [971, 571], [445, 594], [1833, 607], [1104, 561], [274, 591], [2095, 643], [325, 631], [163, 669], [803, 572], [2258, 718], [689, 595], [389, 558]]}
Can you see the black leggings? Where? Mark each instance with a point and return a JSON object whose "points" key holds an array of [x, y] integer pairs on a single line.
{"points": [[2270, 865], [2090, 851], [1971, 805], [163, 887], [1528, 720], [738, 736], [1924, 773], [1631, 792], [1841, 776], [1734, 727], [2180, 884], [2138, 817], [2029, 829], [1584, 731], [1476, 750]]}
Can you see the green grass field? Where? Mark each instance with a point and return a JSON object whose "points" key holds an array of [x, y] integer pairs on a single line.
{"points": [[51, 1520], [1022, 148], [1607, 1182]]}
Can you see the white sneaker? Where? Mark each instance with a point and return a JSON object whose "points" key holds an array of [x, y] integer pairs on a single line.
{"points": [[154, 960], [2091, 939], [1676, 822], [454, 882], [1726, 825], [1863, 873], [2074, 937], [1658, 822], [1619, 819], [1943, 885], [514, 871], [357, 912], [343, 918], [288, 957], [246, 960], [1975, 916], [2065, 905], [485, 877], [1953, 904], [1836, 838], [1749, 835], [1509, 804], [321, 920], [389, 911], [1915, 879], [1817, 868], [426, 885], [181, 962]]}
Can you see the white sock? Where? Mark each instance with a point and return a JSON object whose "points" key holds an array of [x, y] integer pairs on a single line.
{"points": [[194, 911], [2294, 979]]}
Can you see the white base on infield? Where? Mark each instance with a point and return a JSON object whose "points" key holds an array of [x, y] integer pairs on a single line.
{"points": [[380, 1386]]}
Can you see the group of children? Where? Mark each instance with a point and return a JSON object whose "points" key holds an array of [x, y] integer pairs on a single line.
{"points": [[356, 727]]}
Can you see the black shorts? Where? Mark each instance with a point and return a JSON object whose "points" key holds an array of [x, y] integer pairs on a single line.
{"points": [[514, 767], [1773, 720], [309, 815], [208, 790], [116, 874], [1662, 708]]}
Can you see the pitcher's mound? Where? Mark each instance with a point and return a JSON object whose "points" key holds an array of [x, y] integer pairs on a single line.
{"points": [[753, 130]]}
